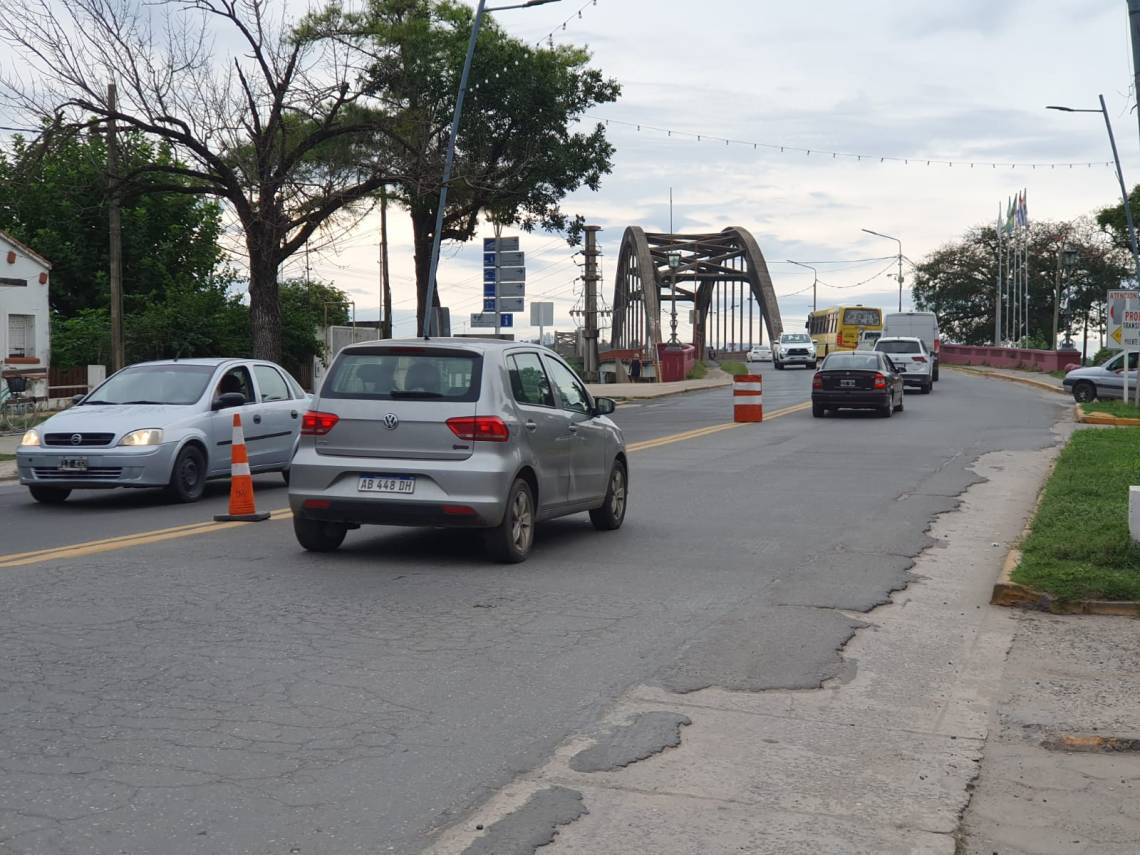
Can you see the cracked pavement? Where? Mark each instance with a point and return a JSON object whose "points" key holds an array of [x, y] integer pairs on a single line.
{"points": [[230, 693]]}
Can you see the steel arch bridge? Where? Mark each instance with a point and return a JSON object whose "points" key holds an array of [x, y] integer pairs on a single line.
{"points": [[723, 274]]}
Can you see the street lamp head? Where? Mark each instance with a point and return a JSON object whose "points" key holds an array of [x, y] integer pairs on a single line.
{"points": [[1062, 109]]}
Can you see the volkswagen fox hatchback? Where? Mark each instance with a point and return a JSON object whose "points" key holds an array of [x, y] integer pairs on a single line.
{"points": [[455, 433]]}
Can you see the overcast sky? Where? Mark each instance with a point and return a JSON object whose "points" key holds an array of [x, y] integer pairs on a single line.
{"points": [[966, 81]]}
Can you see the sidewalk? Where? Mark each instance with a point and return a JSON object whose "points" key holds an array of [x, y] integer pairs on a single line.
{"points": [[635, 391], [1061, 768], [1032, 378], [8, 445]]}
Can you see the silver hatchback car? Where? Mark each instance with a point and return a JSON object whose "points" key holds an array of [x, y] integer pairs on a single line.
{"points": [[474, 433]]}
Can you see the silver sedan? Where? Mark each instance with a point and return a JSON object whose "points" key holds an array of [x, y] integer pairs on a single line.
{"points": [[165, 424], [1102, 381], [455, 433]]}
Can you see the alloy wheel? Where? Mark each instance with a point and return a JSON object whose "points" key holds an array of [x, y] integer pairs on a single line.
{"points": [[617, 493], [522, 521]]}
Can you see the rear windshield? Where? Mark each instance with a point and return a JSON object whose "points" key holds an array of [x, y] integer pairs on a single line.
{"points": [[898, 347], [413, 374], [851, 362], [861, 317]]}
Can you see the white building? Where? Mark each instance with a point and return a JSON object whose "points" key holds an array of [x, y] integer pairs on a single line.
{"points": [[25, 328]]}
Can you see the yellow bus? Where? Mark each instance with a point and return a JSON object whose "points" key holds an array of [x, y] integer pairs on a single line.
{"points": [[838, 328]]}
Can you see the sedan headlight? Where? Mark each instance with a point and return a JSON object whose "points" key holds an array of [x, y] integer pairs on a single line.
{"points": [[147, 436], [31, 439]]}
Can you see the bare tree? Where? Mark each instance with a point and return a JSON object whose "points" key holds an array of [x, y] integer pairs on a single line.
{"points": [[276, 126]]}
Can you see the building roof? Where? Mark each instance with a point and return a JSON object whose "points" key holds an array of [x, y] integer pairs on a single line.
{"points": [[23, 247]]}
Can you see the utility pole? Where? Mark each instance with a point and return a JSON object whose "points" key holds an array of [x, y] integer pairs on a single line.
{"points": [[385, 282], [114, 217], [1057, 300], [590, 334]]}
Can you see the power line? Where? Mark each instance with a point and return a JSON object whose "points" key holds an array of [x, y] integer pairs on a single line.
{"points": [[826, 154], [549, 37]]}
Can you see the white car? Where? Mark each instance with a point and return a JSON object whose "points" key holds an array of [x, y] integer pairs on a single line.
{"points": [[794, 349], [923, 325], [760, 353], [914, 362]]}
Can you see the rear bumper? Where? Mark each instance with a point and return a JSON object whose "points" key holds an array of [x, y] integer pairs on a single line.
{"points": [[916, 379], [464, 493], [857, 400]]}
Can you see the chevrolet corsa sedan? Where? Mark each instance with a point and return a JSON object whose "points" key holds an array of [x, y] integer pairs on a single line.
{"points": [[455, 433], [165, 424]]}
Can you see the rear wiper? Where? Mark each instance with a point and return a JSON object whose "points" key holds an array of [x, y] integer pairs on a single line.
{"points": [[399, 394]]}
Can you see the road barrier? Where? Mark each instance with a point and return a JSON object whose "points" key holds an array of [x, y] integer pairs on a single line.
{"points": [[747, 398], [242, 507]]}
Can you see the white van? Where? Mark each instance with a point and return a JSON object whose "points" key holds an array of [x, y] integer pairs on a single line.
{"points": [[923, 325]]}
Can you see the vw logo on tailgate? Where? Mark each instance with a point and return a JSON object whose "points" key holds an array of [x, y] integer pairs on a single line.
{"points": [[391, 421]]}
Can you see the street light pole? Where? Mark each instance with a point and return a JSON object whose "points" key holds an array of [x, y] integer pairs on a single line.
{"points": [[674, 263], [814, 279], [1119, 177], [449, 160], [899, 242]]}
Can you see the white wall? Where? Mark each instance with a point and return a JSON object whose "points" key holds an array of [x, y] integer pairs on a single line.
{"points": [[31, 299]]}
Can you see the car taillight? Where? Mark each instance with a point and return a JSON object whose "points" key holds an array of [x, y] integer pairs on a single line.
{"points": [[817, 381], [937, 345], [315, 423], [480, 428], [880, 381], [918, 358]]}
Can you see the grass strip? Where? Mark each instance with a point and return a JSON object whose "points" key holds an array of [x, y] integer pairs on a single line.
{"points": [[731, 366], [1079, 547], [1119, 409]]}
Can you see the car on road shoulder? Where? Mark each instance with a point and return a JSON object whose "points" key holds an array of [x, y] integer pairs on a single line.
{"points": [[794, 349], [455, 433], [1102, 381], [910, 356], [165, 424], [857, 380], [760, 353]]}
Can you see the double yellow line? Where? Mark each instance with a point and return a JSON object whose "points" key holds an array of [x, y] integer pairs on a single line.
{"points": [[111, 544]]}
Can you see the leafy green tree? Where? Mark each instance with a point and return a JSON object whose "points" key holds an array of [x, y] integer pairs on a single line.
{"points": [[55, 200], [958, 281], [518, 152], [305, 308]]}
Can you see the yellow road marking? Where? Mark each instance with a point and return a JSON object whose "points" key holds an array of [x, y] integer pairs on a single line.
{"points": [[110, 544]]}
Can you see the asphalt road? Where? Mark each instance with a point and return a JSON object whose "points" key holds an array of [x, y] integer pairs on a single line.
{"points": [[226, 692]]}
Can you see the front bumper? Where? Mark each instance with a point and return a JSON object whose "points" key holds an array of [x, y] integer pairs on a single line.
{"points": [[117, 466], [856, 400], [466, 493], [796, 359]]}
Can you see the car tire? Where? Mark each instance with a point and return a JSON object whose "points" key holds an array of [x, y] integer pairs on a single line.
{"points": [[188, 475], [511, 540], [934, 378], [779, 366], [811, 365], [899, 406], [818, 410], [887, 409], [50, 495], [1084, 391], [611, 514], [927, 388], [318, 535]]}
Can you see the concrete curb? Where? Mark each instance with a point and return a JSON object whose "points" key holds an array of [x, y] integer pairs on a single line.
{"points": [[719, 384], [1028, 381], [1095, 418], [1012, 595]]}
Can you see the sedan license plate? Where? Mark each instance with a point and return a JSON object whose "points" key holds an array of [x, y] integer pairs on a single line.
{"points": [[387, 484], [73, 464], [847, 384]]}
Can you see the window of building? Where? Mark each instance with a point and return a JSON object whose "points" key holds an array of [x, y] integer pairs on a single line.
{"points": [[21, 335]]}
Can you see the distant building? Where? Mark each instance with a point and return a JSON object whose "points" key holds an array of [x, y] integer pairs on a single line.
{"points": [[25, 321]]}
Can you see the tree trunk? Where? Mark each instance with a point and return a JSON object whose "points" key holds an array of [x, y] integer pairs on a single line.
{"points": [[423, 224], [264, 304]]}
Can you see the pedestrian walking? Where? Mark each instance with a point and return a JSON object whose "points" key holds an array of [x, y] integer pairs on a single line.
{"points": [[635, 369]]}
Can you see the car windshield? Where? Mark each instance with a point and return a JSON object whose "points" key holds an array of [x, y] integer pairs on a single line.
{"points": [[393, 374], [898, 347], [794, 338], [154, 384], [851, 362]]}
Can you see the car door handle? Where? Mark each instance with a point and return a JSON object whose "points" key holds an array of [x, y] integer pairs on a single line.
{"points": [[257, 420], [531, 426], [293, 413]]}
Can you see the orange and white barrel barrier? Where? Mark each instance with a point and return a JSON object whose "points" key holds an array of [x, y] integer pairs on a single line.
{"points": [[747, 398], [242, 507]]}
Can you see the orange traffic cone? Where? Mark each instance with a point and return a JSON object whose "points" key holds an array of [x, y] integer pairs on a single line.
{"points": [[242, 508]]}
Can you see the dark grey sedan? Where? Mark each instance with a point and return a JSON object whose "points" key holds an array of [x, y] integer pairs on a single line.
{"points": [[857, 380]]}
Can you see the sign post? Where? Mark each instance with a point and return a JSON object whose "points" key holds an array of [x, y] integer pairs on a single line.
{"points": [[541, 316], [504, 276]]}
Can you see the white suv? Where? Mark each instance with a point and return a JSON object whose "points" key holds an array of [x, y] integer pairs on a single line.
{"points": [[794, 349], [914, 362]]}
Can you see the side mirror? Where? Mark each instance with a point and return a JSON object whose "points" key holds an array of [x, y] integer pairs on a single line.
{"points": [[75, 399], [604, 406], [228, 400]]}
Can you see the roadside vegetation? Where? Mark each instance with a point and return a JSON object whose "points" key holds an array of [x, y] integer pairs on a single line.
{"points": [[1079, 546], [698, 371], [731, 366], [1121, 409]]}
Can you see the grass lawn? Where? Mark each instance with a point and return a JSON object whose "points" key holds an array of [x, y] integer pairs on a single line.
{"points": [[1113, 408], [1079, 546], [730, 366], [4, 457], [698, 371]]}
